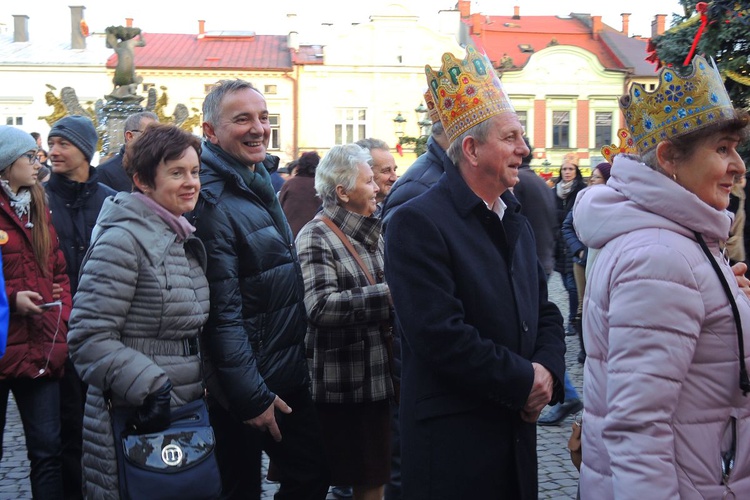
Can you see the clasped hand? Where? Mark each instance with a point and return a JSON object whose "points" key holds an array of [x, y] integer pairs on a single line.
{"points": [[540, 395]]}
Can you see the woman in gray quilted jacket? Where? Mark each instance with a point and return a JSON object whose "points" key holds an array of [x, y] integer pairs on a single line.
{"points": [[142, 301]]}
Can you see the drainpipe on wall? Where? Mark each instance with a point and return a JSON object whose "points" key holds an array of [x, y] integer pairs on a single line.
{"points": [[295, 106]]}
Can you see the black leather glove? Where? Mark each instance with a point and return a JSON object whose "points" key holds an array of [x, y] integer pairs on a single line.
{"points": [[153, 415]]}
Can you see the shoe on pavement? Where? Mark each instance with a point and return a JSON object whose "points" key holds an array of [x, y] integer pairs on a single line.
{"points": [[582, 356], [570, 330], [342, 491], [560, 412]]}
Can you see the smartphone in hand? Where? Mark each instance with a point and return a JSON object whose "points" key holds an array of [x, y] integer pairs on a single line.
{"points": [[47, 305]]}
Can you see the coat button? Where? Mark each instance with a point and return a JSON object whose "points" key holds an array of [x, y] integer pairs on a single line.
{"points": [[524, 326]]}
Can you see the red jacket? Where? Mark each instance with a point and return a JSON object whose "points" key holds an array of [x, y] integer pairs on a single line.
{"points": [[37, 344]]}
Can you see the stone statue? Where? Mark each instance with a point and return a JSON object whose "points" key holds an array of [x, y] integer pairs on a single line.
{"points": [[192, 121], [123, 40]]}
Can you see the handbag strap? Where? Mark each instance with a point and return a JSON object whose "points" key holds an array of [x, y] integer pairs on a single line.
{"points": [[348, 244], [744, 380]]}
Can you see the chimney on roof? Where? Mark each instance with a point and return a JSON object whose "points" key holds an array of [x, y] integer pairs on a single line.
{"points": [[129, 22], [77, 40], [516, 12], [464, 7], [476, 24], [201, 27], [292, 40], [625, 23], [596, 27], [657, 25], [20, 28]]}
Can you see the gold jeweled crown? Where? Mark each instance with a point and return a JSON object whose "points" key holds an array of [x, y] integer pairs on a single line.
{"points": [[678, 106], [466, 92], [432, 111], [627, 145]]}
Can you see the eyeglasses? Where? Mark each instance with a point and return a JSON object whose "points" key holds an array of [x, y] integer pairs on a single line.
{"points": [[136, 131], [31, 157]]}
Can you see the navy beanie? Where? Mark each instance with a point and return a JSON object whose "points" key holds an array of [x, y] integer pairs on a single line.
{"points": [[80, 131]]}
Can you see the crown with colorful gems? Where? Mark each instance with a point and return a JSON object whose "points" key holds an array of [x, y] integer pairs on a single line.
{"points": [[627, 145], [678, 106], [466, 92], [432, 111]]}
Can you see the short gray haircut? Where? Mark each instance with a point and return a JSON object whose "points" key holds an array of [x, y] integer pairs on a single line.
{"points": [[369, 144], [479, 132], [133, 121], [212, 102], [340, 166], [437, 128]]}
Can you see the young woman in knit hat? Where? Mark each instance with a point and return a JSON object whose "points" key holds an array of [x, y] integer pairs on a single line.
{"points": [[34, 270]]}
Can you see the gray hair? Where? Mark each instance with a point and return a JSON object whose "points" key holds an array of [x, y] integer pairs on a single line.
{"points": [[479, 132], [340, 166], [133, 121], [437, 128], [369, 144], [213, 100]]}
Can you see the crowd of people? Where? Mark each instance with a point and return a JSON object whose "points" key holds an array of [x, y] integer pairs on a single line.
{"points": [[390, 337]]}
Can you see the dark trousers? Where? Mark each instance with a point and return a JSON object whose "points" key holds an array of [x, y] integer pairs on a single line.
{"points": [[72, 398], [569, 282], [38, 402], [393, 489], [299, 458]]}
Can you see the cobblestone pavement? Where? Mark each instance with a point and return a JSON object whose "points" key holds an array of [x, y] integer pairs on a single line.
{"points": [[558, 478]]}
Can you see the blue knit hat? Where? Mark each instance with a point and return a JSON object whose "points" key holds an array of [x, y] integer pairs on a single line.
{"points": [[13, 143], [80, 131]]}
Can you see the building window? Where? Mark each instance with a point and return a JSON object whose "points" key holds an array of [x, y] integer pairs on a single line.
{"points": [[14, 120], [351, 125], [147, 86], [602, 128], [269, 89], [208, 87], [561, 129], [523, 118], [275, 141]]}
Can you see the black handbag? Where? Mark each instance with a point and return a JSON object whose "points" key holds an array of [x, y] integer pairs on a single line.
{"points": [[178, 462]]}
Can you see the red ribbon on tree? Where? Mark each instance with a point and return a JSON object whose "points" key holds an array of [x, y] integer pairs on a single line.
{"points": [[702, 9], [400, 149]]}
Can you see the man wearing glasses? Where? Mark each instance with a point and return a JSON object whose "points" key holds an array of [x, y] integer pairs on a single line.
{"points": [[111, 172]]}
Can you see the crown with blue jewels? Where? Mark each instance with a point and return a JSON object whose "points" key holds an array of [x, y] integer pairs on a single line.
{"points": [[678, 106], [466, 92]]}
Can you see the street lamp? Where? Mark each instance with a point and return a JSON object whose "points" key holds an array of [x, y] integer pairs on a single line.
{"points": [[399, 124], [424, 124]]}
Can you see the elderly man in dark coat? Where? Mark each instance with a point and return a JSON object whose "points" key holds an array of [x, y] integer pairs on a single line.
{"points": [[483, 347]]}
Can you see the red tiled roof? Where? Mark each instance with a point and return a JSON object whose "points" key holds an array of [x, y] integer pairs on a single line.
{"points": [[180, 51], [502, 35]]}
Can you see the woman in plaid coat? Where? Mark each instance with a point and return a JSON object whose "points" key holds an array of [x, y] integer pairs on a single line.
{"points": [[349, 322]]}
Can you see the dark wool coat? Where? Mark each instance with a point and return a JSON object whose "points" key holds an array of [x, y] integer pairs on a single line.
{"points": [[420, 177], [256, 328], [471, 299], [111, 173], [538, 205], [31, 339], [563, 257], [75, 207], [299, 201]]}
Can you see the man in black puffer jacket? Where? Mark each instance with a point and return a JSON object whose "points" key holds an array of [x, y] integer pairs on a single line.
{"points": [[256, 370]]}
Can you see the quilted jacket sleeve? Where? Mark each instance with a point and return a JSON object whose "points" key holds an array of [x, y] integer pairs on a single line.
{"points": [[652, 340], [225, 337], [101, 304]]}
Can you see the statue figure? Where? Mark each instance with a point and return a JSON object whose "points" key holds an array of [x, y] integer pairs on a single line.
{"points": [[58, 107], [123, 40], [506, 62], [193, 121], [161, 104]]}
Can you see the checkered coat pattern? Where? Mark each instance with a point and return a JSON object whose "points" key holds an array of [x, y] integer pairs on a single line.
{"points": [[345, 346]]}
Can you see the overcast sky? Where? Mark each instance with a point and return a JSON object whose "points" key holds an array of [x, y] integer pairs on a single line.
{"points": [[269, 17]]}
